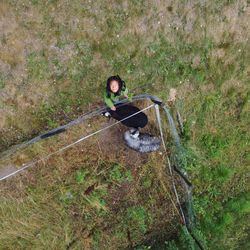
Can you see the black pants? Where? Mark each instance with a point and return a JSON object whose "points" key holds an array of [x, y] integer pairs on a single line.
{"points": [[139, 120]]}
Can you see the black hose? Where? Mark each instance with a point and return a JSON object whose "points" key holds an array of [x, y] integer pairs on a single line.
{"points": [[51, 133]]}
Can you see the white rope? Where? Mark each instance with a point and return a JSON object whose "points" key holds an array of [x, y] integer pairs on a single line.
{"points": [[176, 193], [70, 145]]}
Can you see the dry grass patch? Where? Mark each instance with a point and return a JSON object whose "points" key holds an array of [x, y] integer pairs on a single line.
{"points": [[96, 180]]}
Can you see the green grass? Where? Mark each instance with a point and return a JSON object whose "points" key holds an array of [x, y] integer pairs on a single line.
{"points": [[95, 40], [2, 83], [37, 65]]}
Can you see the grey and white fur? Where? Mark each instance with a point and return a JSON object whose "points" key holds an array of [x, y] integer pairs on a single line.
{"points": [[141, 142]]}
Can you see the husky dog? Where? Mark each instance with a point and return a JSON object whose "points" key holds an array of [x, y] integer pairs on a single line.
{"points": [[141, 142]]}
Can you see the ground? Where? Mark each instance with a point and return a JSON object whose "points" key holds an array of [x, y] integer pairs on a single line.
{"points": [[55, 57], [102, 186]]}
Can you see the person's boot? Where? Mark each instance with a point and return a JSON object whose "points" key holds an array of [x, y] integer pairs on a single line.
{"points": [[107, 114]]}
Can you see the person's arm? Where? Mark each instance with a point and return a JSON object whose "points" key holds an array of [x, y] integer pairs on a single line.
{"points": [[125, 92], [108, 101]]}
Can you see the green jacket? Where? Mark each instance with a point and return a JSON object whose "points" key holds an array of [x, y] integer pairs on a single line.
{"points": [[110, 100]]}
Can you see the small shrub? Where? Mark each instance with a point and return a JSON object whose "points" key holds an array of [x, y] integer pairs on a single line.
{"points": [[137, 219], [80, 176]]}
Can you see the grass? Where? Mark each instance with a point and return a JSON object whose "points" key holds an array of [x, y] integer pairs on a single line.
{"points": [[89, 186], [69, 52], [2, 84], [80, 197], [37, 65]]}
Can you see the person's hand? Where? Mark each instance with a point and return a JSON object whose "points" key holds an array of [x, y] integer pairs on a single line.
{"points": [[126, 96], [113, 108]]}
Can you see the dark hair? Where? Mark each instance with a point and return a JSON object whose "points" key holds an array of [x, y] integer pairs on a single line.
{"points": [[121, 84]]}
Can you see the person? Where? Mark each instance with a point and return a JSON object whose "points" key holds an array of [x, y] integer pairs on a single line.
{"points": [[115, 89]]}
